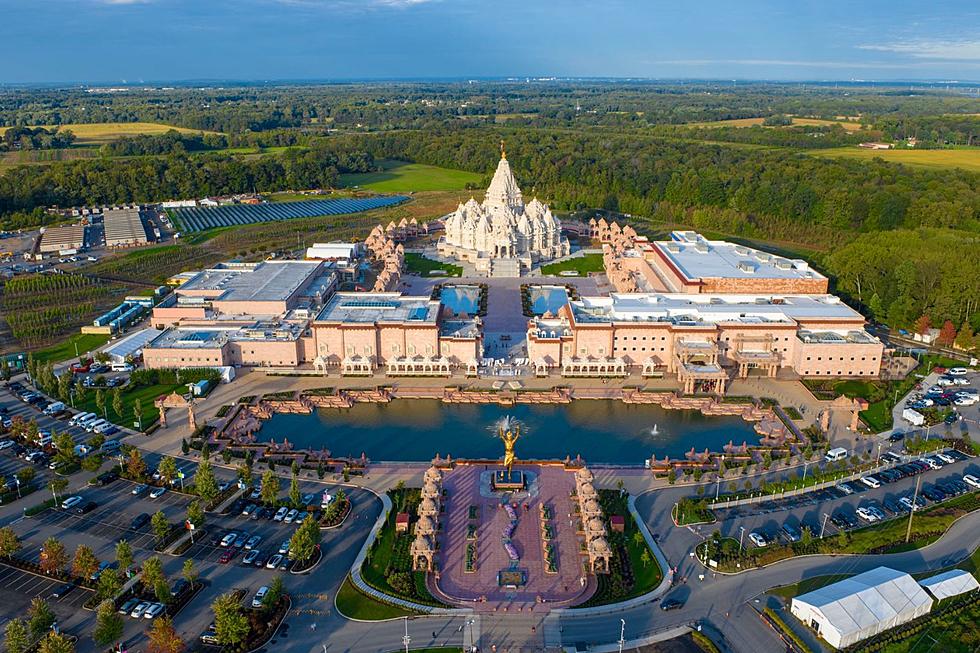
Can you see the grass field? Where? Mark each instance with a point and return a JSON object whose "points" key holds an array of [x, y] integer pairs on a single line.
{"points": [[402, 177], [967, 159], [352, 603], [99, 133], [66, 349], [797, 122], [581, 264], [422, 266]]}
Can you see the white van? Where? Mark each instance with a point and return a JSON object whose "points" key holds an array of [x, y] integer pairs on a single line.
{"points": [[121, 367], [871, 482], [88, 419], [102, 428], [79, 418], [840, 453], [43, 439], [71, 502], [54, 408], [91, 426]]}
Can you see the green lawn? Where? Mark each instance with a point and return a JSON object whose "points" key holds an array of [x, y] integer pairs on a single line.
{"points": [[422, 266], [146, 394], [354, 604], [66, 349], [403, 177], [581, 264]]}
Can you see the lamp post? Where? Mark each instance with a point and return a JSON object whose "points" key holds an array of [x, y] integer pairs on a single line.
{"points": [[823, 526], [741, 536], [406, 640], [622, 634], [718, 480]]}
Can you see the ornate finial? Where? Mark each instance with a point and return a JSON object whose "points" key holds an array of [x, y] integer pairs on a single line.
{"points": [[503, 152]]}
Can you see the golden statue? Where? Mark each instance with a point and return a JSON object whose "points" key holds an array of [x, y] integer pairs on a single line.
{"points": [[509, 438]]}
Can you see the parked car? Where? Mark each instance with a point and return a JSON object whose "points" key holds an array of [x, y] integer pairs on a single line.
{"points": [[252, 542], [671, 604], [71, 502], [128, 606], [957, 371], [139, 521], [240, 540], [274, 561], [281, 513], [229, 539], [154, 611], [757, 539], [250, 557], [226, 556], [249, 509], [972, 481], [62, 590], [284, 547], [157, 492], [86, 507], [140, 608], [791, 533], [949, 460], [290, 516], [871, 482], [259, 597], [139, 489]]}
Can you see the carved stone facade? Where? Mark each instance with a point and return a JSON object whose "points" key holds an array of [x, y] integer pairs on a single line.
{"points": [[423, 549], [503, 227], [593, 527]]}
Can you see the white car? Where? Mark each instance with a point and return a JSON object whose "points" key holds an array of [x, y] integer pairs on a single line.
{"points": [[284, 547], [933, 464], [71, 502], [155, 610], [959, 380], [944, 381], [259, 597], [871, 482], [949, 460], [965, 401], [281, 514], [290, 516], [140, 609], [845, 488], [757, 539], [229, 539], [866, 515], [6, 443], [274, 561], [972, 481], [956, 371], [157, 492], [253, 542]]}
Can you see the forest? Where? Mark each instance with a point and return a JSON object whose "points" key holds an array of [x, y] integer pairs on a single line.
{"points": [[900, 242]]}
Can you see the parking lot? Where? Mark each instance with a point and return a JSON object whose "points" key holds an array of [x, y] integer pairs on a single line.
{"points": [[831, 510], [17, 582]]}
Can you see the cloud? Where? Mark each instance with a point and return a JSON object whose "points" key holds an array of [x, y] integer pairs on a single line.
{"points": [[777, 62], [962, 50]]}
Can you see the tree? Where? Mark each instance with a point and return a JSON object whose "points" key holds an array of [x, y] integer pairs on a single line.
{"points": [[923, 324], [17, 636], [56, 643], [167, 469], [124, 554], [163, 638], [80, 390], [245, 474], [184, 447], [270, 488], [65, 446], [965, 339], [162, 591], [189, 571], [136, 465], [100, 401], [25, 475], [230, 624], [304, 541], [671, 476], [57, 485], [947, 334], [108, 623], [84, 563], [64, 386], [9, 542], [138, 411], [160, 525], [4, 369], [294, 495], [117, 402], [274, 595], [806, 537], [109, 583], [195, 513], [53, 556], [205, 483], [152, 572], [645, 557], [40, 617]]}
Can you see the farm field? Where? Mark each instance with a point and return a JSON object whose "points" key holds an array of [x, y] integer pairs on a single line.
{"points": [[65, 349], [401, 177], [99, 133], [967, 159], [803, 122]]}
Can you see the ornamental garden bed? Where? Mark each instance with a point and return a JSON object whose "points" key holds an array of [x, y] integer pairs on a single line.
{"points": [[263, 624], [38, 508], [10, 497], [176, 530], [336, 513], [550, 558], [471, 558], [303, 566]]}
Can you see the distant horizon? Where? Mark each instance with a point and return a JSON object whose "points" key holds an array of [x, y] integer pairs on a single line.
{"points": [[72, 41]]}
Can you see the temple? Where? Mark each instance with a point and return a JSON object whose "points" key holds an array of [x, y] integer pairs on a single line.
{"points": [[503, 236]]}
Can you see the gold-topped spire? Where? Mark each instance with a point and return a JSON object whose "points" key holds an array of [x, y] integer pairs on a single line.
{"points": [[503, 152]]}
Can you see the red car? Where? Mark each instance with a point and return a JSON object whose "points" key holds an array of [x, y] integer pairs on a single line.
{"points": [[226, 556]]}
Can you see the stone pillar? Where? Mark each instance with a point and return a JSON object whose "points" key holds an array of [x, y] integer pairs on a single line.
{"points": [[190, 418], [825, 420], [854, 420], [163, 417]]}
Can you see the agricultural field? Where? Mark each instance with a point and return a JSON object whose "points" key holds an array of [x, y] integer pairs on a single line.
{"points": [[402, 177], [191, 220], [965, 158], [99, 133], [797, 122]]}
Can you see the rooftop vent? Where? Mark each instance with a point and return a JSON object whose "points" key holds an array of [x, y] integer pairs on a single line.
{"points": [[746, 266], [702, 248], [742, 250], [764, 257], [784, 264], [674, 248]]}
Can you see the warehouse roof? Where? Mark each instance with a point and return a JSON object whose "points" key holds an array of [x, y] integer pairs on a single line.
{"points": [[696, 257], [266, 281], [373, 307], [124, 226], [867, 599]]}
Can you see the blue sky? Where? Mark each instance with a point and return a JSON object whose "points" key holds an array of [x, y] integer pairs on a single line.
{"points": [[155, 40]]}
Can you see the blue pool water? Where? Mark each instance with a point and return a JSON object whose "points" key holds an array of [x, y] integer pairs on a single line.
{"points": [[462, 299], [546, 299]]}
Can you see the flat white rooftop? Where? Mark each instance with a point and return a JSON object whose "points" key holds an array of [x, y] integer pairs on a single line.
{"points": [[265, 281], [370, 307], [696, 257], [682, 308]]}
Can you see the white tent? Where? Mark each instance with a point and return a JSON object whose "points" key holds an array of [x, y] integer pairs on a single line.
{"points": [[861, 606], [950, 583], [131, 345]]}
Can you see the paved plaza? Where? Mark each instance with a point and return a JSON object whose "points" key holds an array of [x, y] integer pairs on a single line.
{"points": [[551, 486]]}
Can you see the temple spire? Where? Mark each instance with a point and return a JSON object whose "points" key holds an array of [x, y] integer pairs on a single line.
{"points": [[503, 152]]}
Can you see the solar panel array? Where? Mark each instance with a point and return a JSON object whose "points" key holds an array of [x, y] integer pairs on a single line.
{"points": [[203, 217]]}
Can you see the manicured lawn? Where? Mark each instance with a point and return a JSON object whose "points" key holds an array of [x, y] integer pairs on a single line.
{"points": [[933, 159], [66, 349], [403, 177], [352, 603], [146, 394], [422, 266], [581, 264]]}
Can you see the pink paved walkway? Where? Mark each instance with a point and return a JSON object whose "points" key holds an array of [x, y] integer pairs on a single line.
{"points": [[454, 583]]}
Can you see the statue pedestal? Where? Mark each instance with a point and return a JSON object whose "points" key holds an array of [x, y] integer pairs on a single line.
{"points": [[504, 480]]}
